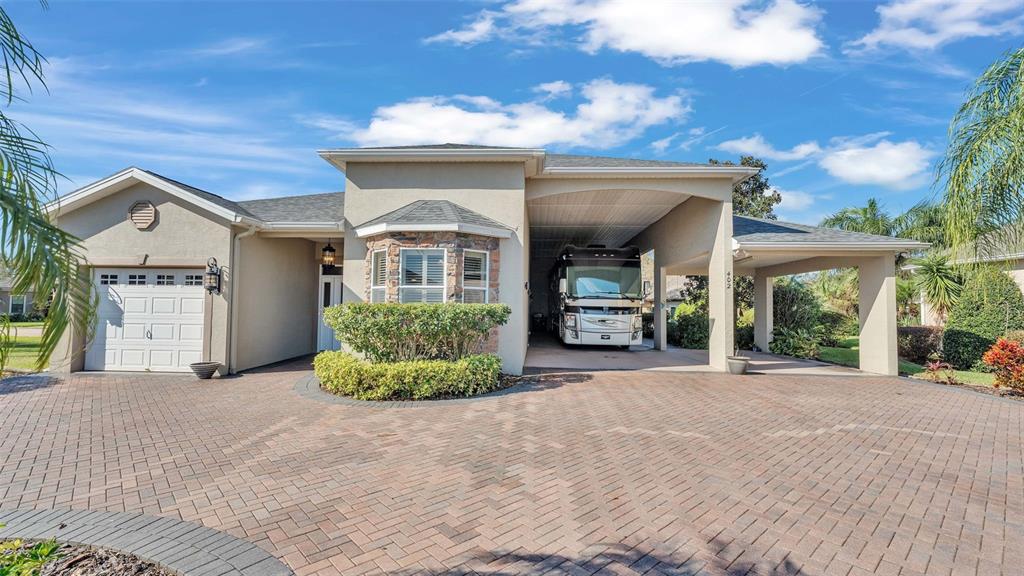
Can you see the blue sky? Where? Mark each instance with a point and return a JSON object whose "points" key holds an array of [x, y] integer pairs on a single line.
{"points": [[844, 100]]}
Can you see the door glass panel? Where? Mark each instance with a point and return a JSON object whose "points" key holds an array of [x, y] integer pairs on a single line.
{"points": [[327, 294]]}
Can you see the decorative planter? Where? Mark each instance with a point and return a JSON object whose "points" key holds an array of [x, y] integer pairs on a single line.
{"points": [[737, 364], [204, 370]]}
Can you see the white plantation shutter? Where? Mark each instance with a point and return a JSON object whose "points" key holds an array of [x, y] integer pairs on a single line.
{"points": [[474, 277], [423, 272], [378, 276]]}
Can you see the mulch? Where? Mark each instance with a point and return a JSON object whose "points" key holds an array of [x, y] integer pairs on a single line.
{"points": [[77, 560]]}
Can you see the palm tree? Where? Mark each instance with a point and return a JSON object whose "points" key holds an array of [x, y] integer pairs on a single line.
{"points": [[39, 257], [938, 281], [983, 168], [869, 219]]}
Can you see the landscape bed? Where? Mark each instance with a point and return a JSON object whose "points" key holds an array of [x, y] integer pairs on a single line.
{"points": [[22, 558]]}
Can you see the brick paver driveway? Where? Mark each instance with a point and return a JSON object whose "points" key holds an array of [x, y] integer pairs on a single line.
{"points": [[620, 473]]}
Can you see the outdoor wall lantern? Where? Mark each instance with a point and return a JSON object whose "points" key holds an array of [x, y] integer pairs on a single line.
{"points": [[211, 279], [328, 254]]}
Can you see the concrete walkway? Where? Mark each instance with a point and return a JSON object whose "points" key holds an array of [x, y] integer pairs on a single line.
{"points": [[546, 354]]}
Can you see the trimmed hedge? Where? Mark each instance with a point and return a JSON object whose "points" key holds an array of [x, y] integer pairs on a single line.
{"points": [[689, 327], [798, 343], [990, 305], [399, 332], [919, 343], [342, 373]]}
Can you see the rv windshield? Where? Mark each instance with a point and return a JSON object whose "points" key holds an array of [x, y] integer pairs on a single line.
{"points": [[618, 280]]}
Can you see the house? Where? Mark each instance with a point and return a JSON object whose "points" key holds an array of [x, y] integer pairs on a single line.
{"points": [[13, 305], [433, 223], [1009, 259]]}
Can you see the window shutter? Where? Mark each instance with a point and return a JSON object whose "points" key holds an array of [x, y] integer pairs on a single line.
{"points": [[435, 268], [473, 270]]}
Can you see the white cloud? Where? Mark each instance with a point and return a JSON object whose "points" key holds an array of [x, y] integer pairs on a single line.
{"points": [[795, 200], [480, 29], [662, 144], [230, 47], [756, 145], [555, 89], [896, 165], [609, 115], [867, 159], [928, 24], [737, 32]]}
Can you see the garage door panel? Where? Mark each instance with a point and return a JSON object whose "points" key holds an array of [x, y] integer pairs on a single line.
{"points": [[153, 324], [191, 305], [164, 305], [186, 357], [190, 333], [161, 332]]}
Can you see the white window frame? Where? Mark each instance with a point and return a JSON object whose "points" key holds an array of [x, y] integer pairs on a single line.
{"points": [[192, 280], [373, 276], [163, 279], [487, 275], [138, 279], [10, 304], [444, 273]]}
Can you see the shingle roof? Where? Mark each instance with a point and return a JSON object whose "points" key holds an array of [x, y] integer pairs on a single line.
{"points": [[428, 212], [328, 207], [756, 230], [208, 196], [576, 161], [445, 146]]}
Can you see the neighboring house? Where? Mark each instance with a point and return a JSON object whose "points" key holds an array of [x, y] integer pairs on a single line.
{"points": [[443, 223], [13, 304], [1011, 261]]}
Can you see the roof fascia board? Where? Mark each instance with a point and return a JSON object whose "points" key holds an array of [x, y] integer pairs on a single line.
{"points": [[737, 173], [364, 231], [830, 246], [340, 157], [301, 226], [105, 187]]}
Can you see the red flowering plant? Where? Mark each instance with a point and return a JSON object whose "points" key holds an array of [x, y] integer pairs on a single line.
{"points": [[1007, 358]]}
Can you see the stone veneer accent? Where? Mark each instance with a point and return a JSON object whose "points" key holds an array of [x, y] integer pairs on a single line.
{"points": [[453, 242]]}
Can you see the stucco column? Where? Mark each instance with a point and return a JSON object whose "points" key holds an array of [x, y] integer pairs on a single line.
{"points": [[763, 310], [877, 278], [720, 290], [660, 320]]}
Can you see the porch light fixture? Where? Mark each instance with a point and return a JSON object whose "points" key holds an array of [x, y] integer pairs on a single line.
{"points": [[211, 278], [327, 254]]}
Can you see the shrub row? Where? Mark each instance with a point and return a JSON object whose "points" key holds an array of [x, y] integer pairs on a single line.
{"points": [[918, 343], [342, 373], [400, 332], [990, 305]]}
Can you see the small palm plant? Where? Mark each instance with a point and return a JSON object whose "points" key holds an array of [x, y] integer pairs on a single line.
{"points": [[939, 282]]}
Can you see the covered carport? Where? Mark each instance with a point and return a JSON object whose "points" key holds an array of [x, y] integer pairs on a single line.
{"points": [[682, 214]]}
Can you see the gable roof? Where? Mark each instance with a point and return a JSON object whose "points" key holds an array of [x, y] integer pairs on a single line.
{"points": [[208, 196], [748, 232], [434, 216]]}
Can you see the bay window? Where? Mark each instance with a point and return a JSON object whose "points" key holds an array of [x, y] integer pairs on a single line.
{"points": [[422, 275]]}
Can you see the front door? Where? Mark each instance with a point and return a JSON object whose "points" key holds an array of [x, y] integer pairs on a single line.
{"points": [[330, 294]]}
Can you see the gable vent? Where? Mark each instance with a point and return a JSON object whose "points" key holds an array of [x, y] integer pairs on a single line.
{"points": [[142, 214]]}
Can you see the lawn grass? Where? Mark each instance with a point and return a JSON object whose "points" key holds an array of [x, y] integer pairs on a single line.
{"points": [[33, 324], [23, 353], [847, 353]]}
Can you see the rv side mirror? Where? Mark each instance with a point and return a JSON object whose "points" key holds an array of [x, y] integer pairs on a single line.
{"points": [[647, 287], [563, 286]]}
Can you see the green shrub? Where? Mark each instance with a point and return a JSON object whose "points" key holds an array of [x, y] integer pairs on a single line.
{"points": [[744, 334], [829, 330], [398, 332], [342, 373], [689, 326], [919, 343], [990, 305], [799, 343], [795, 306]]}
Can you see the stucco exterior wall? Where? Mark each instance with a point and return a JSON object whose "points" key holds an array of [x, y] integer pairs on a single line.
{"points": [[276, 300], [182, 235], [494, 189]]}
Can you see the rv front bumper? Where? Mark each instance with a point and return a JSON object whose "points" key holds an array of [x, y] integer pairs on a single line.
{"points": [[608, 338]]}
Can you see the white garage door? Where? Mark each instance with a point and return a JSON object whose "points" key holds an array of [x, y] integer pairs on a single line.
{"points": [[148, 319]]}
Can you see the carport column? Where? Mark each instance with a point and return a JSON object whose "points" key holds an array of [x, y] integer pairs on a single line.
{"points": [[660, 319], [878, 315], [763, 310], [720, 289]]}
